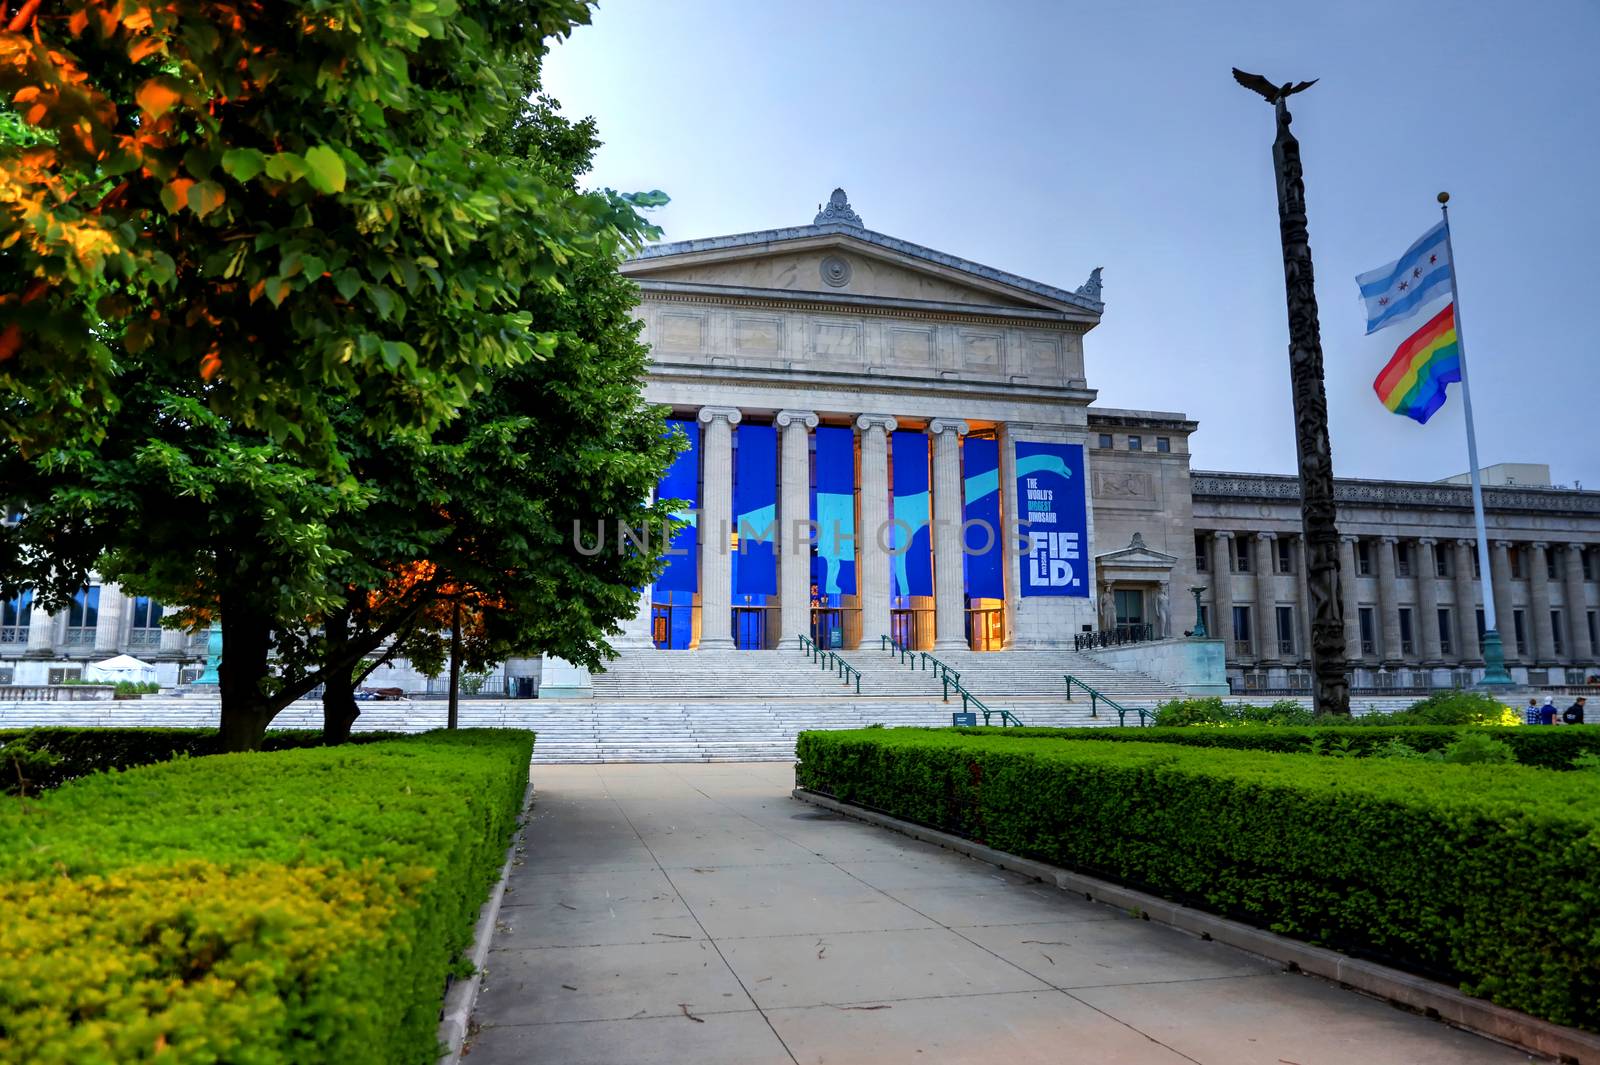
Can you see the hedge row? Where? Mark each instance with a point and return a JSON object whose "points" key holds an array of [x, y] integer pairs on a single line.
{"points": [[38, 759], [1543, 747], [1486, 877], [295, 906]]}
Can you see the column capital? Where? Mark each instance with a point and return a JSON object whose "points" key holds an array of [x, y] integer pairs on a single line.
{"points": [[1505, 545], [1266, 535], [1576, 549], [732, 415], [1427, 540], [1222, 534], [1468, 542], [1389, 539], [807, 418], [947, 425], [1540, 545], [886, 422], [1349, 538]]}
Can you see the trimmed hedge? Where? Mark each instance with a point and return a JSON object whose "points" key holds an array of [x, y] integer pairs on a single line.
{"points": [[295, 906], [38, 759], [1544, 747], [1487, 877]]}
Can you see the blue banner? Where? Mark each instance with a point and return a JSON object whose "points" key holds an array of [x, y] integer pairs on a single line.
{"points": [[833, 508], [682, 481], [910, 545], [1050, 498], [981, 534], [755, 510]]}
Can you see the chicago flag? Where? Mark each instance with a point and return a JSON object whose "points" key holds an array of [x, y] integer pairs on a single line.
{"points": [[1395, 292]]}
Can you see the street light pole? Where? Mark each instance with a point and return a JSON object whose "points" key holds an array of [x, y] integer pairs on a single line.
{"points": [[1317, 509]]}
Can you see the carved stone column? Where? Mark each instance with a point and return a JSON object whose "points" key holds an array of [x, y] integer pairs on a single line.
{"points": [[794, 514], [1303, 606], [1500, 579], [1266, 602], [872, 537], [636, 634], [1222, 591], [41, 633], [716, 520], [1352, 598], [1543, 650], [1579, 650], [1428, 602], [949, 574], [1466, 604], [108, 623], [1388, 602]]}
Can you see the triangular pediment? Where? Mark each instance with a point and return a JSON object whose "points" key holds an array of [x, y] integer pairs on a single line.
{"points": [[849, 263], [1137, 555]]}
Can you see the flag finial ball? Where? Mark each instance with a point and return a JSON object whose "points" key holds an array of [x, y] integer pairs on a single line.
{"points": [[1444, 197]]}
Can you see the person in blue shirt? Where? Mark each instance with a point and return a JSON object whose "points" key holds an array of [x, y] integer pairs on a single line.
{"points": [[1547, 712]]}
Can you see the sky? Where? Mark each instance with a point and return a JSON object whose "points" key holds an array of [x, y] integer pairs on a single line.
{"points": [[1050, 138]]}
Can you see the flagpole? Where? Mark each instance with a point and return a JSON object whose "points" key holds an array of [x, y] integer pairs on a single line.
{"points": [[1494, 673]]}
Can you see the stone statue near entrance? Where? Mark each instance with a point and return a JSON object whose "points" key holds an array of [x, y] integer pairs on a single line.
{"points": [[1108, 610], [1163, 612]]}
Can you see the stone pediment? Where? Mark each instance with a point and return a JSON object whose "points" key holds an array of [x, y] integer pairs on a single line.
{"points": [[1137, 556], [836, 259]]}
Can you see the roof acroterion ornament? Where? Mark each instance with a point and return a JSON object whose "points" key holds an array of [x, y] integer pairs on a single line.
{"points": [[838, 210]]}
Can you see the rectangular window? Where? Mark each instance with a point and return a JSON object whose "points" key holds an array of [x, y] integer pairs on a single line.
{"points": [[58, 676], [1446, 644], [1516, 563], [1285, 556], [1363, 558], [84, 613], [16, 613], [1369, 630], [1482, 626], [1555, 629], [1241, 555], [1588, 567], [1477, 565], [1200, 553], [1549, 564], [1163, 444], [1402, 559], [1135, 443], [1441, 561], [1105, 440], [146, 613], [1521, 630], [1286, 630], [1241, 630], [1594, 622], [8, 675], [1408, 645]]}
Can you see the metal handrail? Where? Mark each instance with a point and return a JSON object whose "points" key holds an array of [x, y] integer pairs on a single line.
{"points": [[940, 669], [1096, 698], [830, 661], [1114, 637], [889, 643], [1006, 716]]}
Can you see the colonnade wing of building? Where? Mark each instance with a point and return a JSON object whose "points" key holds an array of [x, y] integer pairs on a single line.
{"points": [[883, 440]]}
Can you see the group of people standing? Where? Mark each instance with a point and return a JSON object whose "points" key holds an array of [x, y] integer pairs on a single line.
{"points": [[1546, 714]]}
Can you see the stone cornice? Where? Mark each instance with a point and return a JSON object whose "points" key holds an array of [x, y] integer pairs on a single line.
{"points": [[782, 375], [1267, 487], [859, 306], [1148, 420]]}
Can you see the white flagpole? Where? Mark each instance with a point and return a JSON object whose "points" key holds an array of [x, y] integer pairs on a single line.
{"points": [[1494, 673]]}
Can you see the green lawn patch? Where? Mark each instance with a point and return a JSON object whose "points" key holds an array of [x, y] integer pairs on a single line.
{"points": [[1487, 877], [290, 906]]}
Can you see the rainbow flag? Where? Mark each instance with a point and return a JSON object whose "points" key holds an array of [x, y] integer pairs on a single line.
{"points": [[1414, 382]]}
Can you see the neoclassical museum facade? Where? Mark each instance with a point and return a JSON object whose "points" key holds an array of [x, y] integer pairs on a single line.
{"points": [[886, 440]]}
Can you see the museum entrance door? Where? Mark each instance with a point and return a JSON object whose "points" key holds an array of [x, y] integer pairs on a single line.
{"points": [[1130, 612]]}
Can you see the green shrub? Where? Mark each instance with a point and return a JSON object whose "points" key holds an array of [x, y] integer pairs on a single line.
{"points": [[1456, 707], [1483, 876], [1545, 748], [294, 906], [37, 759], [1211, 710]]}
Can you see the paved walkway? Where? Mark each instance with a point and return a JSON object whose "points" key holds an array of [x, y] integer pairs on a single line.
{"points": [[697, 914]]}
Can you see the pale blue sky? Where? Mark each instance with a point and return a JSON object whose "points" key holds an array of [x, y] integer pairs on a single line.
{"points": [[1050, 138]]}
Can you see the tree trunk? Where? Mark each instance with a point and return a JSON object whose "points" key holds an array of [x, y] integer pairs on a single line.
{"points": [[339, 709], [455, 667], [246, 641]]}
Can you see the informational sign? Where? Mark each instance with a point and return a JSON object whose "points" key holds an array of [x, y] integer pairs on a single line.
{"points": [[911, 547], [981, 533], [682, 482], [1053, 518], [755, 510], [833, 508]]}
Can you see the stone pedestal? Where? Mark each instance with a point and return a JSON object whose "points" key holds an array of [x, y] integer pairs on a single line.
{"points": [[560, 679]]}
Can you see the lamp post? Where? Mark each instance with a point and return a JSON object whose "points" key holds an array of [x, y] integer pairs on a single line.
{"points": [[1317, 512], [1199, 632]]}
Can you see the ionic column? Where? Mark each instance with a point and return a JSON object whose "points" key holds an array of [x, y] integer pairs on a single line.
{"points": [[1352, 599], [1222, 591], [1578, 648], [1428, 602], [1388, 600], [1303, 591], [1266, 614], [1466, 604], [1544, 638], [636, 632], [716, 519], [794, 516], [949, 584], [108, 622], [41, 632], [872, 539], [1500, 579]]}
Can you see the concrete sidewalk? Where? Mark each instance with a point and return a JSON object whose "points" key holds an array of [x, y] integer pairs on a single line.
{"points": [[696, 914]]}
